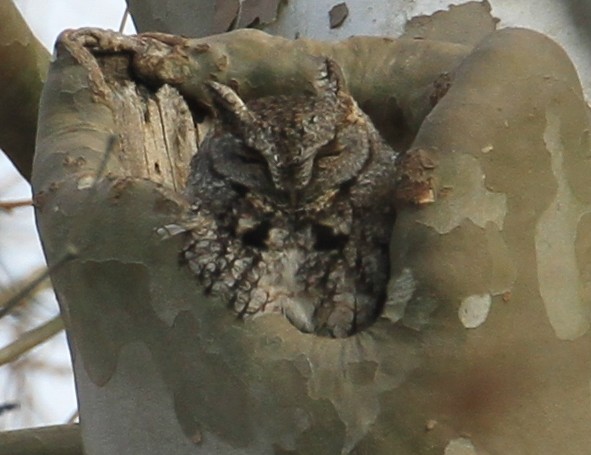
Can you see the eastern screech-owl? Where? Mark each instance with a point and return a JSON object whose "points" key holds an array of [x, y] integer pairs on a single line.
{"points": [[292, 207]]}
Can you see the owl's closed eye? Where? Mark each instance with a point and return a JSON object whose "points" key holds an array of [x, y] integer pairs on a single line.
{"points": [[289, 207]]}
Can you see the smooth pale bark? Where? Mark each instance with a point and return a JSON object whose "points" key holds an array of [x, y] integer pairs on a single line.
{"points": [[485, 348]]}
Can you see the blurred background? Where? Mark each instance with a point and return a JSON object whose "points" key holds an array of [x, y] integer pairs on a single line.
{"points": [[37, 388]]}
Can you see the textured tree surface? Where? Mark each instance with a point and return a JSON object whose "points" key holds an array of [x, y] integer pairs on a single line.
{"points": [[486, 347], [24, 65], [54, 440]]}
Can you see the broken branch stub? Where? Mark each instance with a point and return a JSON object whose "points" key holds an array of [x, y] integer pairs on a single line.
{"points": [[397, 97]]}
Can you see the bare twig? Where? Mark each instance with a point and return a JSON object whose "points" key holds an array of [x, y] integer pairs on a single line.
{"points": [[124, 20], [10, 205], [13, 301], [50, 368], [30, 339], [15, 294]]}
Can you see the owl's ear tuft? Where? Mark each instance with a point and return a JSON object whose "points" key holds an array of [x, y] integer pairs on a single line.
{"points": [[331, 78], [228, 105]]}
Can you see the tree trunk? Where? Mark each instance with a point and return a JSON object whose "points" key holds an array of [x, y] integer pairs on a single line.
{"points": [[485, 349]]}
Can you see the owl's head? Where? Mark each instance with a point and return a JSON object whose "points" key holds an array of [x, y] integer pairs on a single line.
{"points": [[301, 145]]}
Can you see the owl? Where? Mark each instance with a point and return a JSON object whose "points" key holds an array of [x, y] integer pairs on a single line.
{"points": [[292, 207]]}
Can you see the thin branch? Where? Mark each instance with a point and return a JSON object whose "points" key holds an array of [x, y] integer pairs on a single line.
{"points": [[16, 294], [8, 206], [124, 20], [40, 364], [31, 339], [54, 440], [14, 300]]}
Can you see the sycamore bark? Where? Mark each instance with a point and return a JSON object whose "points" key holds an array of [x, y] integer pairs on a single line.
{"points": [[483, 311]]}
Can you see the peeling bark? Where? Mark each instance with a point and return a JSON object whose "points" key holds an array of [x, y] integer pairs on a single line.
{"points": [[160, 368], [198, 18], [465, 24], [396, 96]]}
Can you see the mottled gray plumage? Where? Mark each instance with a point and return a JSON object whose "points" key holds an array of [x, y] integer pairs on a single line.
{"points": [[292, 208]]}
